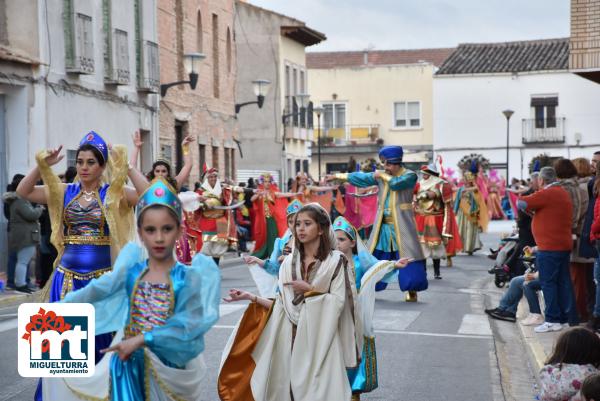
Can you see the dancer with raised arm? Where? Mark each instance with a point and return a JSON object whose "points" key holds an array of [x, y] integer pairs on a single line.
{"points": [[394, 233]]}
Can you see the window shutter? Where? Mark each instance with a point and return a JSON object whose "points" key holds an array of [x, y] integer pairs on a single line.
{"points": [[309, 118], [295, 111]]}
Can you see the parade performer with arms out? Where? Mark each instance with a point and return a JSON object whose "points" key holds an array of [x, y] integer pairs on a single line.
{"points": [[91, 219], [368, 271], [297, 346], [160, 308], [268, 217], [471, 211], [394, 233], [434, 216], [215, 216]]}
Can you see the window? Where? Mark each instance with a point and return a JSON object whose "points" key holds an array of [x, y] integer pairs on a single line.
{"points": [[199, 35], [71, 158], [79, 48], [228, 50], [227, 163], [407, 115], [544, 111], [201, 157], [166, 152], [121, 72], [149, 80], [334, 115], [215, 54], [146, 158], [302, 89], [215, 157], [107, 49], [288, 100], [180, 131]]}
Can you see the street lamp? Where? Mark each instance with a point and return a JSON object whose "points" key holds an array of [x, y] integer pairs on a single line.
{"points": [[191, 62], [507, 113], [261, 88], [318, 111], [302, 100]]}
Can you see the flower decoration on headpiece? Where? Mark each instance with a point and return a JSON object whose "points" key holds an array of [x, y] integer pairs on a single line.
{"points": [[293, 207], [392, 154], [159, 193], [449, 172], [92, 138], [265, 177], [341, 224]]}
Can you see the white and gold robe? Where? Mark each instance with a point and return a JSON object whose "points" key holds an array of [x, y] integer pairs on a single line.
{"points": [[264, 361]]}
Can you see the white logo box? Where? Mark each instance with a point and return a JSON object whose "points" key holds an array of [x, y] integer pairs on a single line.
{"points": [[78, 360]]}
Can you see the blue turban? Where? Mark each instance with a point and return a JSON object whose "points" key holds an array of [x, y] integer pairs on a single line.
{"points": [[392, 154]]}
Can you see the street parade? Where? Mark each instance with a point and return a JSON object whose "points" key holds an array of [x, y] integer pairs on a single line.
{"points": [[394, 235]]}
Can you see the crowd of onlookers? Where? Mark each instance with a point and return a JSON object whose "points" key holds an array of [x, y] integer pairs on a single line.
{"points": [[559, 224]]}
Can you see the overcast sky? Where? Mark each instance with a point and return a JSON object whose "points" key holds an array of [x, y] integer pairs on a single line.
{"points": [[415, 24]]}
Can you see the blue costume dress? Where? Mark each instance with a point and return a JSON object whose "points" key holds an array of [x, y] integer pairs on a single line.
{"points": [[273, 264], [86, 254], [173, 317], [363, 379]]}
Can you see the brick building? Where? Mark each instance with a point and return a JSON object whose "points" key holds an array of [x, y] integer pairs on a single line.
{"points": [[206, 113], [584, 55]]}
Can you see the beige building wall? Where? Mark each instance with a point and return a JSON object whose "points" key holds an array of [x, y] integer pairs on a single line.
{"points": [[370, 94]]}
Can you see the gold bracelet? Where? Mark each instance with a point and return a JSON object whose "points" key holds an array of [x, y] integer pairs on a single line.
{"points": [[186, 149]]}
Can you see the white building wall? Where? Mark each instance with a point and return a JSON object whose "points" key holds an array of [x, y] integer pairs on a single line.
{"points": [[468, 116]]}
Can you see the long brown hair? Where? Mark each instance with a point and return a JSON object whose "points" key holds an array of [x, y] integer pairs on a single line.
{"points": [[319, 215], [578, 346]]}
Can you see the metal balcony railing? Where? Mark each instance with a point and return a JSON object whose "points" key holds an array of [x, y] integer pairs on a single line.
{"points": [[348, 134], [543, 130]]}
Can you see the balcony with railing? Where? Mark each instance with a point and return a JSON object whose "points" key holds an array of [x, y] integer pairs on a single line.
{"points": [[543, 130], [360, 138], [300, 124]]}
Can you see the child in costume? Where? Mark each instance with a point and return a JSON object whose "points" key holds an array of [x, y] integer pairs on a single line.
{"points": [[368, 271], [160, 308], [299, 345], [265, 272]]}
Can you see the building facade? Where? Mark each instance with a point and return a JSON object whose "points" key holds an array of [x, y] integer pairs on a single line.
{"points": [[272, 46], [68, 67], [584, 56], [554, 110], [206, 113], [372, 98]]}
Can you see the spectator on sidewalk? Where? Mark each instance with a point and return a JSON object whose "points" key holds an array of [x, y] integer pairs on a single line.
{"points": [[590, 389], [552, 223], [594, 322], [576, 355], [528, 284], [7, 199], [584, 253], [24, 235]]}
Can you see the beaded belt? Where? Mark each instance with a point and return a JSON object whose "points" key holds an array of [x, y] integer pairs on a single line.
{"points": [[70, 275], [86, 240], [388, 219]]}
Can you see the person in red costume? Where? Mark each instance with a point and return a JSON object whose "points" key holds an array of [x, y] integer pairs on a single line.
{"points": [[269, 215]]}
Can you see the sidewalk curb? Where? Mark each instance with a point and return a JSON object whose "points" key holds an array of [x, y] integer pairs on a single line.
{"points": [[535, 348]]}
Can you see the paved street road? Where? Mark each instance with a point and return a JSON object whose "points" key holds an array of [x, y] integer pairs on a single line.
{"points": [[441, 348]]}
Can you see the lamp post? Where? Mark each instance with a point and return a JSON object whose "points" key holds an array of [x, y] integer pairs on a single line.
{"points": [[507, 113], [318, 111], [261, 88], [191, 62], [302, 100]]}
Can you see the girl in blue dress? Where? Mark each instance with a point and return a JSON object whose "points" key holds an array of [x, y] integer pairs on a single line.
{"points": [[368, 271], [160, 308]]}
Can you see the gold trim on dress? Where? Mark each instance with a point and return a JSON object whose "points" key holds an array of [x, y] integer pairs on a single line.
{"points": [[70, 275], [86, 240]]}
